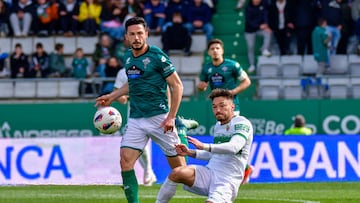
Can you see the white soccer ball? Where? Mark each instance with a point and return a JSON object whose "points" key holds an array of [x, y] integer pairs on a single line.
{"points": [[107, 120]]}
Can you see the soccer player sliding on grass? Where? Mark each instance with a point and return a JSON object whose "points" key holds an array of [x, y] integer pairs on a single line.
{"points": [[221, 178]]}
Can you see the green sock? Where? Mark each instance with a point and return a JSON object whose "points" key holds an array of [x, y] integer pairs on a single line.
{"points": [[182, 131], [131, 186]]}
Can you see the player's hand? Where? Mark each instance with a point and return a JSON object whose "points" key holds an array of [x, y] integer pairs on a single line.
{"points": [[181, 149], [168, 124], [195, 142], [104, 100]]}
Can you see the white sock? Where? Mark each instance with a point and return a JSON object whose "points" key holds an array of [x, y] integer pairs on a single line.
{"points": [[167, 191]]}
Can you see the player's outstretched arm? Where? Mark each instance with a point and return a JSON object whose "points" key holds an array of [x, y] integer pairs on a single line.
{"points": [[106, 100]]}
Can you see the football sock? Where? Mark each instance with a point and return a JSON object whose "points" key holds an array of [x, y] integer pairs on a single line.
{"points": [[182, 131], [131, 186], [167, 191], [247, 166]]}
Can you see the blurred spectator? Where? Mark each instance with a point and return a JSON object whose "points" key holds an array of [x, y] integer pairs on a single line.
{"points": [[4, 18], [131, 9], [112, 68], [355, 12], [199, 18], [57, 62], [299, 128], [175, 6], [320, 40], [79, 64], [21, 17], [281, 24], [111, 19], [89, 16], [19, 63], [176, 36], [39, 64], [154, 15], [331, 11], [4, 70], [256, 23], [347, 30], [103, 51], [304, 20], [47, 15], [68, 17]]}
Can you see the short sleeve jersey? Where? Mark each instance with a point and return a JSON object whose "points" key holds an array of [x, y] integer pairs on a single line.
{"points": [[238, 126], [147, 82], [224, 76]]}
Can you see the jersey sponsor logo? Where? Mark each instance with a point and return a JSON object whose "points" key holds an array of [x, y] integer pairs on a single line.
{"points": [[134, 72], [217, 80], [242, 127]]}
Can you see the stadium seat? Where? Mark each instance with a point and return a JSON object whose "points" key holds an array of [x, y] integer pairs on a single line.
{"points": [[191, 65], [355, 87], [6, 89], [25, 89], [176, 61], [292, 89], [269, 89], [88, 44], [155, 40], [47, 42], [189, 86], [26, 43], [354, 65], [290, 65], [6, 45], [69, 88], [199, 43], [268, 66], [310, 66], [69, 44], [47, 89], [339, 64], [338, 87]]}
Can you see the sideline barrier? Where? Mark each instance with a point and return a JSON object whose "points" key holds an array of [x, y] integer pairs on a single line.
{"points": [[316, 158]]}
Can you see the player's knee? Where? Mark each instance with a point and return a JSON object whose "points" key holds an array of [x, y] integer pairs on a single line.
{"points": [[177, 174]]}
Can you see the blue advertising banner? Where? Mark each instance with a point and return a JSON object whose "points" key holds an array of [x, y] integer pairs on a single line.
{"points": [[316, 158]]}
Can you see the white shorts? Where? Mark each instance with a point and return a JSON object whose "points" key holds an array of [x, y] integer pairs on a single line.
{"points": [[139, 130], [217, 188]]}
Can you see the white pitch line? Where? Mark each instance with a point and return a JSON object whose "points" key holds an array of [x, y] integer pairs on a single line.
{"points": [[121, 196]]}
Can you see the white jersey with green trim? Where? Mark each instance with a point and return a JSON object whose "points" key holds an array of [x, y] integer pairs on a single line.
{"points": [[232, 165]]}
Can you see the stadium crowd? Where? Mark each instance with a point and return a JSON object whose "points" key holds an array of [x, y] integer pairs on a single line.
{"points": [[174, 20]]}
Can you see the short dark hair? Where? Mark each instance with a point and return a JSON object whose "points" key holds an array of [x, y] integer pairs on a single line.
{"points": [[59, 46], [299, 121], [215, 41], [135, 21], [221, 93], [39, 45], [18, 45]]}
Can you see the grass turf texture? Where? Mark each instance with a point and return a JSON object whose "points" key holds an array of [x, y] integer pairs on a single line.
{"points": [[264, 193]]}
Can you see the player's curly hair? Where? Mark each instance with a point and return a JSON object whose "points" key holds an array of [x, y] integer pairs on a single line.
{"points": [[221, 93]]}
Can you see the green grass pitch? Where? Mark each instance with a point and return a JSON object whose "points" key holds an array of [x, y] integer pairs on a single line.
{"points": [[251, 193]]}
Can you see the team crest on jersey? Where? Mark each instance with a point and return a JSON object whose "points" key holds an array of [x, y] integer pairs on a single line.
{"points": [[224, 68], [146, 61], [128, 60], [163, 59]]}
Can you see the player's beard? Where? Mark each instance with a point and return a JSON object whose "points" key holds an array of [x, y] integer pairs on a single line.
{"points": [[138, 48]]}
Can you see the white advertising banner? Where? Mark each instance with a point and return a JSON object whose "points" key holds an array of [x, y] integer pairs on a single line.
{"points": [[89, 160]]}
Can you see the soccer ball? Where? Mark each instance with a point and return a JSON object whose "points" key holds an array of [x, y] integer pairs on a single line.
{"points": [[107, 120]]}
